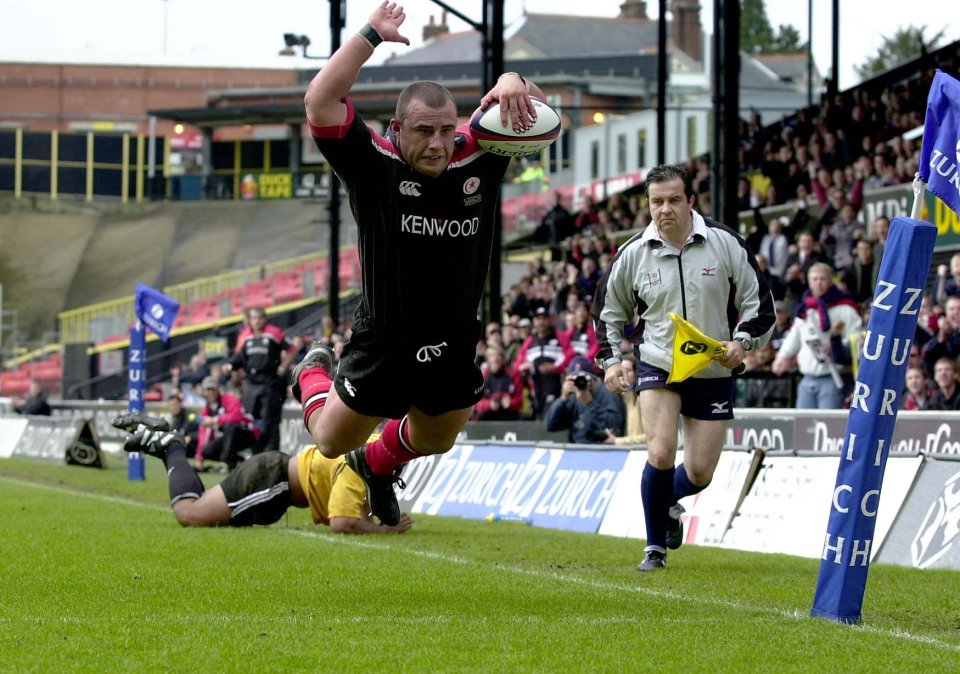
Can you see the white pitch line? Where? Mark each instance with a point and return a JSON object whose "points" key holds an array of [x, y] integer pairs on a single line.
{"points": [[533, 573]]}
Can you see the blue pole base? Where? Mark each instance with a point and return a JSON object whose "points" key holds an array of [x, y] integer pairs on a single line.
{"points": [[135, 466]]}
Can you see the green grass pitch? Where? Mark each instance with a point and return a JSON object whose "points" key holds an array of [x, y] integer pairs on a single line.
{"points": [[97, 576]]}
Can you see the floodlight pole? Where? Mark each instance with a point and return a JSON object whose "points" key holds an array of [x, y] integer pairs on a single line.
{"points": [[338, 18]]}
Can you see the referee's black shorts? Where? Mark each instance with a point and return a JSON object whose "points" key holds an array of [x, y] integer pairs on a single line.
{"points": [[382, 375]]}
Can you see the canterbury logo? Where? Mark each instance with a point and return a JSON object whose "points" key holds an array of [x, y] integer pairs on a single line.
{"points": [[720, 408], [350, 388], [410, 188], [425, 353], [691, 348]]}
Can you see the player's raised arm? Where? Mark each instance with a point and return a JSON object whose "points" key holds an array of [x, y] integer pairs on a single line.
{"points": [[324, 97]]}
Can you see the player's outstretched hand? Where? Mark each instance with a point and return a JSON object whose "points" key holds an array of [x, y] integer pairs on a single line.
{"points": [[386, 20], [403, 525]]}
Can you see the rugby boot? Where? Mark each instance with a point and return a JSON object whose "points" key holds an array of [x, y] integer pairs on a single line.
{"points": [[150, 435], [319, 355], [380, 493]]}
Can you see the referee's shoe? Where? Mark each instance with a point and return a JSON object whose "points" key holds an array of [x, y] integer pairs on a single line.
{"points": [[675, 526], [380, 493]]}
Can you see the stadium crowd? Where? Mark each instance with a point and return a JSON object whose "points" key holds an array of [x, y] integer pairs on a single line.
{"points": [[820, 161]]}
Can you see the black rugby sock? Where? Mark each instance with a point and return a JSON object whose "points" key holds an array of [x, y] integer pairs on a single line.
{"points": [[182, 480]]}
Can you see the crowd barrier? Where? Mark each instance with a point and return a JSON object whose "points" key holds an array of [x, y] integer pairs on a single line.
{"points": [[772, 490]]}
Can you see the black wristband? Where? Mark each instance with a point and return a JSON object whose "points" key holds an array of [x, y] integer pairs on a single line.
{"points": [[370, 36]]}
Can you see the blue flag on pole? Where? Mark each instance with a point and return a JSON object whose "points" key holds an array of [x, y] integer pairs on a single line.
{"points": [[155, 310], [940, 153]]}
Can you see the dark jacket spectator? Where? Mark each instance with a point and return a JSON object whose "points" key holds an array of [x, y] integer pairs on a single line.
{"points": [[586, 409], [35, 404]]}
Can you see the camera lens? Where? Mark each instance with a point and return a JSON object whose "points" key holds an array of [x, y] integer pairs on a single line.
{"points": [[581, 381]]}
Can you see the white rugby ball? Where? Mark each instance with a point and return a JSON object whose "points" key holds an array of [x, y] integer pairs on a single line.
{"points": [[493, 136]]}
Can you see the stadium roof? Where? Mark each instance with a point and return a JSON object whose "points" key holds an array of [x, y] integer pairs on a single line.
{"points": [[543, 35]]}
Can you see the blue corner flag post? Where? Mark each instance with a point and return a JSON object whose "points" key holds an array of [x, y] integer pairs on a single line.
{"points": [[136, 373], [157, 312], [873, 411], [876, 397]]}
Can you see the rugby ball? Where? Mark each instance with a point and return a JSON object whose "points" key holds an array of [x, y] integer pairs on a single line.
{"points": [[493, 136]]}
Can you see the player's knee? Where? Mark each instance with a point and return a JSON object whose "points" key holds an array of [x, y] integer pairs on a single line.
{"points": [[187, 515], [330, 451]]}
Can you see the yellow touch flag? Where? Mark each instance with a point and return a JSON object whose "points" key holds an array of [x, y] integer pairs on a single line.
{"points": [[692, 350]]}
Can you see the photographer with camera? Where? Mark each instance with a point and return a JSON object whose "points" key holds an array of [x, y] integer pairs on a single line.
{"points": [[586, 408]]}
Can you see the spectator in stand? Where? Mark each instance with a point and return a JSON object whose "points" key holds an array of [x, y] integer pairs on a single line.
{"points": [[587, 218], [569, 287], [542, 360], [581, 334], [758, 386], [35, 404], [878, 232], [775, 247], [586, 409], [197, 370], [918, 394], [512, 341], [225, 430], [947, 395], [184, 422], [928, 322], [946, 344], [777, 287], [798, 265], [589, 278], [860, 278], [556, 225], [948, 280], [261, 490], [821, 309], [781, 325], [494, 334], [264, 356], [841, 236], [502, 389]]}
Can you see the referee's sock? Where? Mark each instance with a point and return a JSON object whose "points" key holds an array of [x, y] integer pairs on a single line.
{"points": [[392, 449], [182, 480], [656, 491], [682, 486]]}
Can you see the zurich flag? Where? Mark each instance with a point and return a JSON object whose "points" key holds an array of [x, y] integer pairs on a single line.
{"points": [[155, 310], [940, 154]]}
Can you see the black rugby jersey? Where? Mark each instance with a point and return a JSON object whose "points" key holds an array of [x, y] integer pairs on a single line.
{"points": [[425, 242], [260, 356]]}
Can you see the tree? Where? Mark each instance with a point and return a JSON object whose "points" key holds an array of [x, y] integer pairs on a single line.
{"points": [[788, 40], [906, 44], [756, 35]]}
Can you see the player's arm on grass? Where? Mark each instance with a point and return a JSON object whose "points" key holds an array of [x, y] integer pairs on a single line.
{"points": [[366, 525]]}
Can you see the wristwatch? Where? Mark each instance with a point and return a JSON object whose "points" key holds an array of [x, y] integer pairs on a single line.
{"points": [[746, 343]]}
